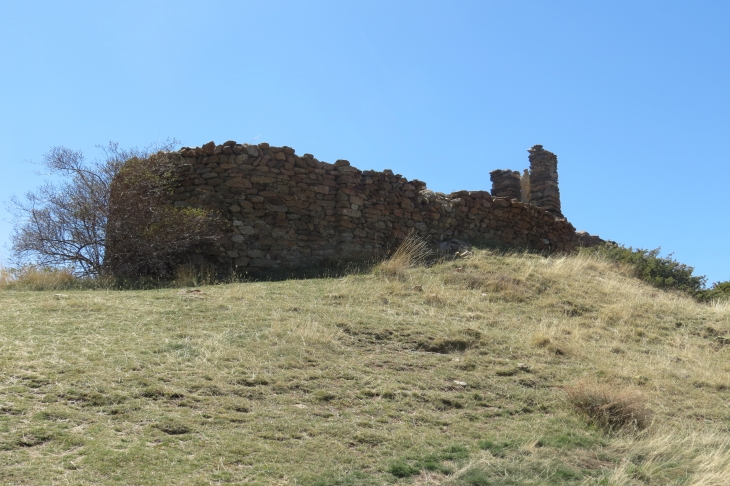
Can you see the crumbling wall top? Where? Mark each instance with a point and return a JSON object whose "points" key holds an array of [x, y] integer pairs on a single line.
{"points": [[544, 191]]}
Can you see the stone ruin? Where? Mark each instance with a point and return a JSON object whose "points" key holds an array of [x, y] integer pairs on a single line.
{"points": [[285, 210], [538, 186]]}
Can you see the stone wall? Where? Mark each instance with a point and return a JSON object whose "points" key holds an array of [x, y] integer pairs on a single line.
{"points": [[287, 210]]}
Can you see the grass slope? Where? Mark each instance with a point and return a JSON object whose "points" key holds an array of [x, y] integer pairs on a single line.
{"points": [[457, 374]]}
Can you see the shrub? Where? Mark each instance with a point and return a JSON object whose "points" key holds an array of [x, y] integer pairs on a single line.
{"points": [[5, 277], [719, 291], [146, 234], [608, 408], [662, 272]]}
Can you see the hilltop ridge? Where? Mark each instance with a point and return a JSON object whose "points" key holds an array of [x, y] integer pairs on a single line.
{"points": [[460, 373]]}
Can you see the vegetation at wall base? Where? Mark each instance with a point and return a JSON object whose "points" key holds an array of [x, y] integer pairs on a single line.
{"points": [[412, 252], [481, 370]]}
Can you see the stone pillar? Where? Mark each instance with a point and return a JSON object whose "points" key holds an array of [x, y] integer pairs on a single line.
{"points": [[544, 191], [525, 185], [506, 183]]}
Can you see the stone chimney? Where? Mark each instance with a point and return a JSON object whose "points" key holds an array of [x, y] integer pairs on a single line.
{"points": [[506, 183], [544, 191]]}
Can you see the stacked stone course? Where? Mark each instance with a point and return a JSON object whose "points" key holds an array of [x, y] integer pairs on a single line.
{"points": [[544, 180], [287, 210], [506, 183]]}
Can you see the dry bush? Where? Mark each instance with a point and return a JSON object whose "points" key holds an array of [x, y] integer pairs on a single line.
{"points": [[412, 252], [108, 218], [540, 340], [608, 408], [31, 277], [552, 343], [5, 278]]}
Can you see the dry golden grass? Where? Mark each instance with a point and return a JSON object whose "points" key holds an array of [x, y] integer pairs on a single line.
{"points": [[413, 251], [193, 275], [696, 455], [34, 278], [5, 278], [455, 374], [607, 407]]}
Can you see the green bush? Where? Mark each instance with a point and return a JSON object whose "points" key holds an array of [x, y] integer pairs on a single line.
{"points": [[718, 291], [662, 272]]}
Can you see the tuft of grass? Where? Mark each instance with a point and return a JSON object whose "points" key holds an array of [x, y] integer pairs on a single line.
{"points": [[172, 427], [540, 340], [324, 396], [608, 408], [497, 448], [412, 252], [436, 462], [474, 477], [193, 275], [402, 469]]}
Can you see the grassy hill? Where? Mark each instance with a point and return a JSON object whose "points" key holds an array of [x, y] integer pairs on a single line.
{"points": [[496, 369]]}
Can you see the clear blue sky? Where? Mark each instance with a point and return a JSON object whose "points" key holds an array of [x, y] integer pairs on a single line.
{"points": [[632, 96]]}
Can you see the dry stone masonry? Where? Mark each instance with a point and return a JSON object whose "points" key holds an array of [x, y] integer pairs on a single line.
{"points": [[544, 180], [287, 210], [506, 183]]}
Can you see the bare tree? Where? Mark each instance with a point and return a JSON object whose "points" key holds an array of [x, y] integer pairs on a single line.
{"points": [[65, 224]]}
